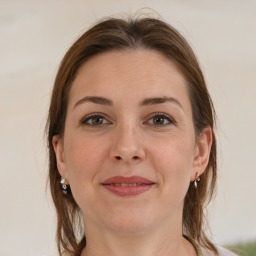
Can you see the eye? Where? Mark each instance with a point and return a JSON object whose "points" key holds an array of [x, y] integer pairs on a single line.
{"points": [[94, 120], [161, 119]]}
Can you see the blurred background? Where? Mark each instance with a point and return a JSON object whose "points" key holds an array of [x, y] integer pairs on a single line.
{"points": [[34, 35]]}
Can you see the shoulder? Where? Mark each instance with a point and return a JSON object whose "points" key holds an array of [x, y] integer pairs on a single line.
{"points": [[221, 250]]}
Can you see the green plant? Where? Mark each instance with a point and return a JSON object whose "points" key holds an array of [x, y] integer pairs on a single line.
{"points": [[243, 248]]}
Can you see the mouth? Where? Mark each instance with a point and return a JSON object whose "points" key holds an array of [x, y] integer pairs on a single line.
{"points": [[127, 186]]}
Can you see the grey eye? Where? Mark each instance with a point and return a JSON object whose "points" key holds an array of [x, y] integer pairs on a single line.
{"points": [[160, 120], [94, 120]]}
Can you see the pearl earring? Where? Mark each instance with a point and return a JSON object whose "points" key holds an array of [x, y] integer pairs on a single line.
{"points": [[64, 187], [197, 178]]}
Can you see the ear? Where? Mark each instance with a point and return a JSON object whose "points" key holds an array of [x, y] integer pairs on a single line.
{"points": [[58, 146], [202, 152]]}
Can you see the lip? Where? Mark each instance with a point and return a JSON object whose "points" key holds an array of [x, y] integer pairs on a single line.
{"points": [[127, 186], [127, 180]]}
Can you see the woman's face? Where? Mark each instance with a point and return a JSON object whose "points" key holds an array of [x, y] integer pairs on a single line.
{"points": [[129, 114]]}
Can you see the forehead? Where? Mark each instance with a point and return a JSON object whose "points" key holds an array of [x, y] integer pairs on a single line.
{"points": [[129, 74]]}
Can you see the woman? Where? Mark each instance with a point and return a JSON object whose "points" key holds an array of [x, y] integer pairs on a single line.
{"points": [[132, 149]]}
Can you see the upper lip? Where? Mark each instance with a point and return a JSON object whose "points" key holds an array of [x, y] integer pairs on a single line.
{"points": [[127, 180]]}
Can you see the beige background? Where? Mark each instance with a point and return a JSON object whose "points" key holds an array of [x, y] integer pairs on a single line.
{"points": [[34, 35]]}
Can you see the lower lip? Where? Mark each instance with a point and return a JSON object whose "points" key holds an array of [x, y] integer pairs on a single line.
{"points": [[128, 191]]}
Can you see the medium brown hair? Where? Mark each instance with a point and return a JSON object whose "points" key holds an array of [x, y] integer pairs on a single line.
{"points": [[119, 34]]}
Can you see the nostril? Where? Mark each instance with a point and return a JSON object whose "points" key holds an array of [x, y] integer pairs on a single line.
{"points": [[134, 157]]}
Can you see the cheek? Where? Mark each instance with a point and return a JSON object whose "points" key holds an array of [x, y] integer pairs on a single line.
{"points": [[84, 159], [173, 162], [84, 162]]}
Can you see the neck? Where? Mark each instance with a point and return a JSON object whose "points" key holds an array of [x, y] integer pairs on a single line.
{"points": [[151, 242]]}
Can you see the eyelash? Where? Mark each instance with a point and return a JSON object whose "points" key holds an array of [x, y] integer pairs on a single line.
{"points": [[170, 120]]}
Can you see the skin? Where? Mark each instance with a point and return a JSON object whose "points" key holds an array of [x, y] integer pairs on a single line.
{"points": [[127, 141]]}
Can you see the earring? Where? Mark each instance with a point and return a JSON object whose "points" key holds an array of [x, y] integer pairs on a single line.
{"points": [[197, 178], [64, 187]]}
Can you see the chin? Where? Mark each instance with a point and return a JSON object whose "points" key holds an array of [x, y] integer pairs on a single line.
{"points": [[129, 222]]}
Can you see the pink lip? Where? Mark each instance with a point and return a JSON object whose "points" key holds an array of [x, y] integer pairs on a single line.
{"points": [[127, 180], [113, 184]]}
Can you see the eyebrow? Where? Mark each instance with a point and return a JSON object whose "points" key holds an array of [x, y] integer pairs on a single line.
{"points": [[148, 101], [96, 100], [160, 100]]}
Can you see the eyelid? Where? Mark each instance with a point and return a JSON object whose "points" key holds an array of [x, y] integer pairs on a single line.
{"points": [[99, 114], [96, 114], [168, 117]]}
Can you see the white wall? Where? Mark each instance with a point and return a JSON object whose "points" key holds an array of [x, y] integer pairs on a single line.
{"points": [[34, 35]]}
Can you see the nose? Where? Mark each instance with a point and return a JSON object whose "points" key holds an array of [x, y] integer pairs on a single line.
{"points": [[127, 146]]}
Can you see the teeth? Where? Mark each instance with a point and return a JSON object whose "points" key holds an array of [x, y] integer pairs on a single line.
{"points": [[126, 185]]}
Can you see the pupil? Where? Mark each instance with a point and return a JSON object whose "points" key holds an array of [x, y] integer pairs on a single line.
{"points": [[97, 120], [158, 120]]}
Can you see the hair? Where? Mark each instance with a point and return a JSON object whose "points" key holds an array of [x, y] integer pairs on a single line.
{"points": [[131, 34]]}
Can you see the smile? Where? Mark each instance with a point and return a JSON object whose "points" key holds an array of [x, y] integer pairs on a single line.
{"points": [[127, 186]]}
